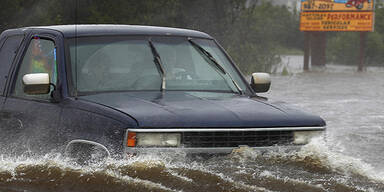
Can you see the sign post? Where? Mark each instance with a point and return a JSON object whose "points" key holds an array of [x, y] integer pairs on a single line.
{"points": [[307, 50], [336, 15], [363, 36]]}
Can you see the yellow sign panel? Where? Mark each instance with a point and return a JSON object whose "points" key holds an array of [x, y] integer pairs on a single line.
{"points": [[336, 21], [337, 5]]}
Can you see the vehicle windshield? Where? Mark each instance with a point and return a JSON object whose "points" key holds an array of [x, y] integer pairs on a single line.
{"points": [[102, 64]]}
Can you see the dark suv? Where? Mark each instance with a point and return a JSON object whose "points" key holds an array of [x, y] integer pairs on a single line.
{"points": [[131, 89]]}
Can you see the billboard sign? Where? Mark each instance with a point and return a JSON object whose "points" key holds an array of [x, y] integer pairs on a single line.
{"points": [[337, 5], [337, 15], [337, 21]]}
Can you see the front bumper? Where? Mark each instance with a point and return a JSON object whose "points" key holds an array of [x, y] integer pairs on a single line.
{"points": [[222, 150], [217, 150]]}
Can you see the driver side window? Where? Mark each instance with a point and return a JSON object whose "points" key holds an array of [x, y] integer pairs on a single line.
{"points": [[40, 57]]}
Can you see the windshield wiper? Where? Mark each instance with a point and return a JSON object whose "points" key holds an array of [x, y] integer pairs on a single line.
{"points": [[157, 60], [213, 61], [208, 55]]}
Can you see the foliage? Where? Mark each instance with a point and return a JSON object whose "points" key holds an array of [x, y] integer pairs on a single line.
{"points": [[252, 34], [343, 48]]}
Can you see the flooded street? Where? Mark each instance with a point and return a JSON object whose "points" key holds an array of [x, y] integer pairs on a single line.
{"points": [[352, 104], [349, 160]]}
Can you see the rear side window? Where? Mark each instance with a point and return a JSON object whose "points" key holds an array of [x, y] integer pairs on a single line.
{"points": [[7, 55]]}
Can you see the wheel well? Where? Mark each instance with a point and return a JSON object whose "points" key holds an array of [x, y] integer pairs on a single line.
{"points": [[85, 150]]}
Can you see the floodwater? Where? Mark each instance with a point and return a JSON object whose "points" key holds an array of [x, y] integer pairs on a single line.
{"points": [[349, 159]]}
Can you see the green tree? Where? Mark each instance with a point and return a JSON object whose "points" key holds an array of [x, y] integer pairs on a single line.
{"points": [[252, 35]]}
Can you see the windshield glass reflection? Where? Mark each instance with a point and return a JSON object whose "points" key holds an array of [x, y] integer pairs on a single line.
{"points": [[101, 64]]}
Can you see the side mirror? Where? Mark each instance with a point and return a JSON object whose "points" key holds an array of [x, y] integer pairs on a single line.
{"points": [[36, 83], [260, 82]]}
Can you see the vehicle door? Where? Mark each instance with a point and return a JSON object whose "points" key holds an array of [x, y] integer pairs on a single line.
{"points": [[34, 119], [9, 45]]}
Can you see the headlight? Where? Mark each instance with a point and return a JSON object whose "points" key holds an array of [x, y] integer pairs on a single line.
{"points": [[158, 139], [303, 137]]}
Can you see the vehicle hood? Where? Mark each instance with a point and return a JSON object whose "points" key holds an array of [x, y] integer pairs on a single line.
{"points": [[176, 109]]}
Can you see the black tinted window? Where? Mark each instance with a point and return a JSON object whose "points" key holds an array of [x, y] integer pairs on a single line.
{"points": [[7, 55]]}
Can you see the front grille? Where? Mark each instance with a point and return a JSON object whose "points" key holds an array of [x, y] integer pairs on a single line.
{"points": [[236, 138]]}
